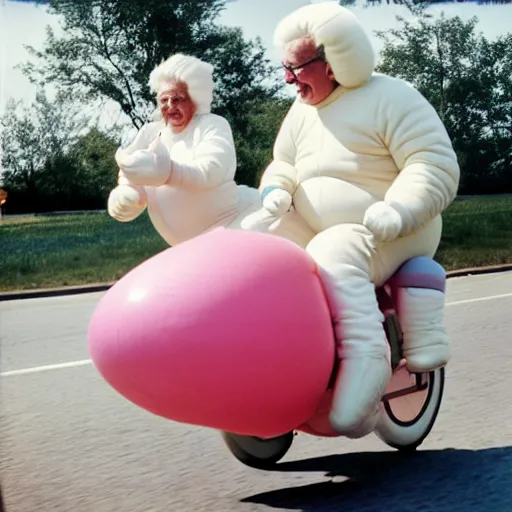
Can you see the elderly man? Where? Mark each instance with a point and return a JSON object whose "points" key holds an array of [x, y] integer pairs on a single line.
{"points": [[182, 165], [362, 163]]}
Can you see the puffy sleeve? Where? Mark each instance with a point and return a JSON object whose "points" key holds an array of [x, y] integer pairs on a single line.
{"points": [[429, 172], [281, 172], [214, 157], [145, 136]]}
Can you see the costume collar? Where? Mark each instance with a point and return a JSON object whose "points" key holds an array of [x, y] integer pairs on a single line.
{"points": [[331, 98]]}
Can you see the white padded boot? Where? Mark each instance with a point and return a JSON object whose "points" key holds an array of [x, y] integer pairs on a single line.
{"points": [[421, 315]]}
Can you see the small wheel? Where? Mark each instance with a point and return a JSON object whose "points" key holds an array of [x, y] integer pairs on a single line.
{"points": [[407, 420], [256, 452]]}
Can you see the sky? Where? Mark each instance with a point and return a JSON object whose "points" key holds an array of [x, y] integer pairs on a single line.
{"points": [[25, 24]]}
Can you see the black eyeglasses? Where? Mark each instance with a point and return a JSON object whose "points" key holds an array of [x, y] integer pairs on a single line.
{"points": [[298, 67]]}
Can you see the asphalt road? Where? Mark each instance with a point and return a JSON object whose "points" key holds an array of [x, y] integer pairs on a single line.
{"points": [[71, 444]]}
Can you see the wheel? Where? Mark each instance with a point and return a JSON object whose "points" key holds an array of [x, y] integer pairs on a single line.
{"points": [[408, 417], [256, 452]]}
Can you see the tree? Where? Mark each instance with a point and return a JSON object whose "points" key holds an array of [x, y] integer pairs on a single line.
{"points": [[93, 155], [245, 76], [414, 4], [468, 80], [54, 157], [34, 139], [109, 48], [254, 151]]}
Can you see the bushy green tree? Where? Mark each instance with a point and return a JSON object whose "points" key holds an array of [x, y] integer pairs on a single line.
{"points": [[53, 158], [109, 47], [254, 150], [34, 140], [468, 79], [417, 5]]}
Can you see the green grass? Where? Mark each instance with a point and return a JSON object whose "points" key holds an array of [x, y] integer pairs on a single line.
{"points": [[477, 232], [40, 252], [48, 251]]}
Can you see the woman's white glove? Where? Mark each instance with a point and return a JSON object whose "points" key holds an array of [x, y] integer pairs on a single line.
{"points": [[383, 221], [126, 203], [146, 167]]}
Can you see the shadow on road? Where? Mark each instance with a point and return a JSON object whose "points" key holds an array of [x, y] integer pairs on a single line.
{"points": [[438, 481]]}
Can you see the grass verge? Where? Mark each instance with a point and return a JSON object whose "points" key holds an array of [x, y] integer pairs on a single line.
{"points": [[52, 251], [477, 232]]}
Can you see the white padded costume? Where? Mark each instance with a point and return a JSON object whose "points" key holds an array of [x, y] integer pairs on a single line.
{"points": [[369, 170], [186, 180]]}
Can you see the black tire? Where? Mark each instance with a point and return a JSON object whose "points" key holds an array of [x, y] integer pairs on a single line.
{"points": [[258, 453], [407, 437]]}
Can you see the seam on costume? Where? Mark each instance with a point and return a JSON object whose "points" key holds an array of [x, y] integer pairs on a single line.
{"points": [[328, 21]]}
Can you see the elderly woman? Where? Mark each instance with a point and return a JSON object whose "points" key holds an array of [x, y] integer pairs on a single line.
{"points": [[182, 166]]}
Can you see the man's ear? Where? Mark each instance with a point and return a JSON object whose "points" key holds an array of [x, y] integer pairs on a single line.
{"points": [[330, 73]]}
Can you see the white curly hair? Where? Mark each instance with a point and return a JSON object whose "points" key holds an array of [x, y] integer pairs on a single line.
{"points": [[195, 73]]}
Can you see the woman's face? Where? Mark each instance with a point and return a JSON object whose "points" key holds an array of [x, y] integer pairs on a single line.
{"points": [[176, 106]]}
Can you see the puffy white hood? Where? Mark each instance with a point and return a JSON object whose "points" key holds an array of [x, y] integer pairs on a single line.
{"points": [[348, 48]]}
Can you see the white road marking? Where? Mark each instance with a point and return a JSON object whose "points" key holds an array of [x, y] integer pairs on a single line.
{"points": [[84, 362], [479, 299], [49, 367]]}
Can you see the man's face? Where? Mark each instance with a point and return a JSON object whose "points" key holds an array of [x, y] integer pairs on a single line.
{"points": [[310, 74], [176, 106]]}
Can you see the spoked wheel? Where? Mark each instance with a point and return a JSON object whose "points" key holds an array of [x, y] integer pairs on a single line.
{"points": [[256, 452], [409, 410]]}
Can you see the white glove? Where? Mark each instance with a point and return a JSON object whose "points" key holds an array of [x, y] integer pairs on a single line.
{"points": [[125, 203], [260, 220], [147, 167], [383, 221], [277, 202]]}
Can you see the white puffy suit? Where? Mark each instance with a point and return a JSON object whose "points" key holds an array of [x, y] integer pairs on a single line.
{"points": [[363, 178], [186, 180]]}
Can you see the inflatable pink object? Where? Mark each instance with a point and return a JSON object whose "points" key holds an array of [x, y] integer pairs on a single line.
{"points": [[230, 330]]}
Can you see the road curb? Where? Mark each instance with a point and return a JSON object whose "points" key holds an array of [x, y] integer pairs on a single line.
{"points": [[474, 271], [101, 287], [54, 292]]}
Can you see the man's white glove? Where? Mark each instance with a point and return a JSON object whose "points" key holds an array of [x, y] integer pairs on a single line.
{"points": [[260, 221], [277, 202], [125, 203], [383, 221], [146, 167]]}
